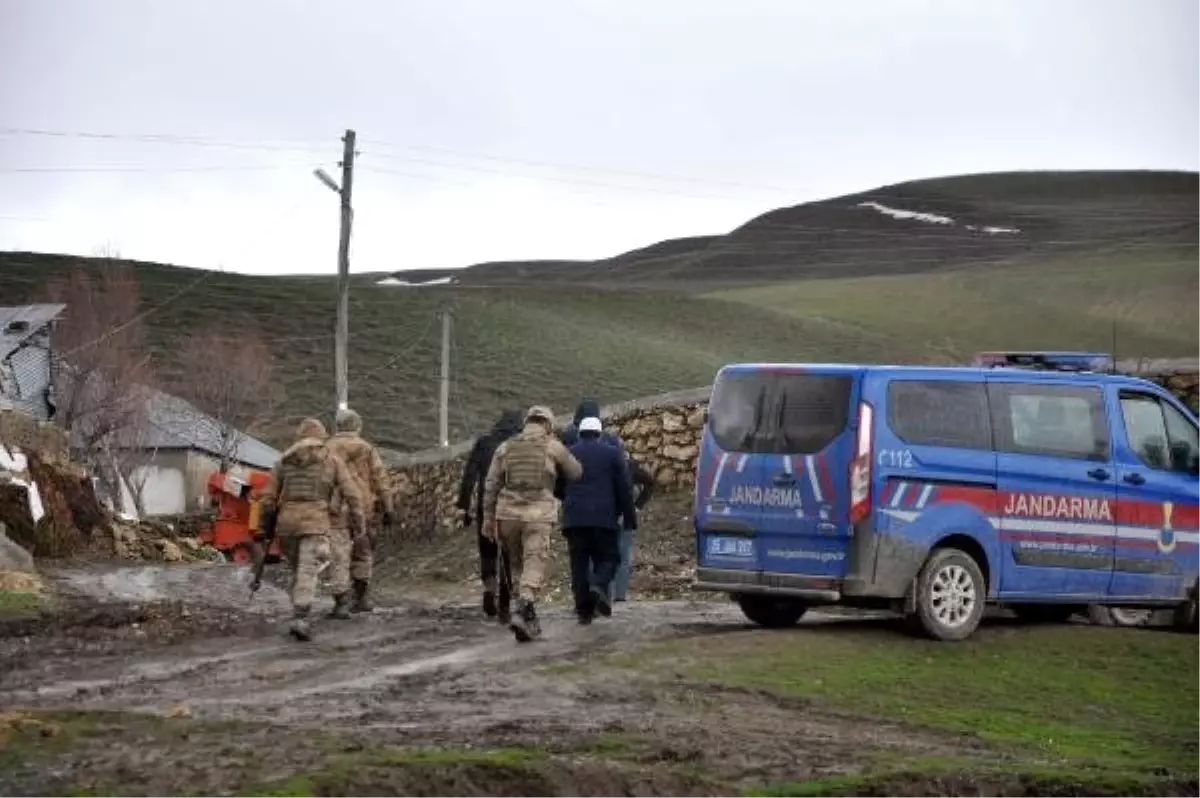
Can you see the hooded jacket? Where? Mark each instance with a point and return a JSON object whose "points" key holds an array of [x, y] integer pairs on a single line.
{"points": [[480, 458]]}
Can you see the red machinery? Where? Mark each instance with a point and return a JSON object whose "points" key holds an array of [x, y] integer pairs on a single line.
{"points": [[238, 513]]}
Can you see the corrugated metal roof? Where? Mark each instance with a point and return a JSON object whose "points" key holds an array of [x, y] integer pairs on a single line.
{"points": [[175, 423], [19, 322], [178, 424]]}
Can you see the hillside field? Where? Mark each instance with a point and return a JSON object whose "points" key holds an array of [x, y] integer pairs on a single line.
{"points": [[828, 281]]}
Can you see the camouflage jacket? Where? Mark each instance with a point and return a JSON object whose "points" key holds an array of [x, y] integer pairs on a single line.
{"points": [[366, 467], [308, 482], [520, 481]]}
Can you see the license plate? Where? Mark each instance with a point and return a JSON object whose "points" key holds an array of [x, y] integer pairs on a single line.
{"points": [[730, 547]]}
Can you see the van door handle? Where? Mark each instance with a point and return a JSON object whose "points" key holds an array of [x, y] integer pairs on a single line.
{"points": [[1135, 479], [1098, 473], [783, 480]]}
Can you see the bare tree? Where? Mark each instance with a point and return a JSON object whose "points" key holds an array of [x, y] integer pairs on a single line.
{"points": [[103, 372], [230, 377]]}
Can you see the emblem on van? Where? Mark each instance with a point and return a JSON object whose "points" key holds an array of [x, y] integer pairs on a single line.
{"points": [[1166, 537]]}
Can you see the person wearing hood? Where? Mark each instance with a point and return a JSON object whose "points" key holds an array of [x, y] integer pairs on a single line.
{"points": [[307, 484], [470, 509], [520, 509]]}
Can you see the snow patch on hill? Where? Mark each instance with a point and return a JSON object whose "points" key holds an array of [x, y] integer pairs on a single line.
{"points": [[396, 281], [934, 218]]}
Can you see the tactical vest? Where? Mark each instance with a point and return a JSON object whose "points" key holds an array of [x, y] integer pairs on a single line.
{"points": [[525, 464], [306, 482]]}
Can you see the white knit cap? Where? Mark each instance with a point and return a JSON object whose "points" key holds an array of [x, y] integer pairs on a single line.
{"points": [[590, 424]]}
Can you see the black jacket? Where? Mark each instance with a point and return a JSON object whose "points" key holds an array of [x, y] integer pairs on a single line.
{"points": [[480, 459], [601, 498]]}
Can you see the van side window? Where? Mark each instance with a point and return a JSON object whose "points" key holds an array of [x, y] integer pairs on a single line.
{"points": [[1051, 420], [1161, 436], [940, 413]]}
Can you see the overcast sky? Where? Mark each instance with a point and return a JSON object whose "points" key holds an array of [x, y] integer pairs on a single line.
{"points": [[556, 129]]}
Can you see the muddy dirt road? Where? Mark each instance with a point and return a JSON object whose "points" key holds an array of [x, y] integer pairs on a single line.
{"points": [[181, 642]]}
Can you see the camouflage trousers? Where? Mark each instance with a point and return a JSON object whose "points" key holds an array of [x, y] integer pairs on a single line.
{"points": [[351, 560], [526, 546], [306, 556]]}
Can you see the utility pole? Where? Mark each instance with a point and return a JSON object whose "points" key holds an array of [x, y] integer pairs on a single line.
{"points": [[342, 336], [444, 405]]}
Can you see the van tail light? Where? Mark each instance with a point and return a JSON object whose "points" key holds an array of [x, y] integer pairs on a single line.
{"points": [[860, 466]]}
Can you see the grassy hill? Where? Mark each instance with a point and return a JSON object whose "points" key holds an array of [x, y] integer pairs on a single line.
{"points": [[831, 280]]}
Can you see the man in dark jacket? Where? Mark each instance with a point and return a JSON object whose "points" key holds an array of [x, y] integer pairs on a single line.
{"points": [[641, 481], [470, 510], [595, 508]]}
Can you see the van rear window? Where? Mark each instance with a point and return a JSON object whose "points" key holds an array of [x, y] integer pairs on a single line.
{"points": [[812, 410], [776, 413]]}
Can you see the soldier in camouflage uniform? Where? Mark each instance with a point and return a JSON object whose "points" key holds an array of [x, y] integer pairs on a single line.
{"points": [[519, 508], [353, 557], [307, 483]]}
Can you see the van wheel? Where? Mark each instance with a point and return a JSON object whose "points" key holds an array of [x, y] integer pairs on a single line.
{"points": [[1187, 616], [1118, 616], [1044, 613], [951, 594], [770, 612]]}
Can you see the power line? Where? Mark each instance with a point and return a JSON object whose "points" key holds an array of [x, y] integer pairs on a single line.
{"points": [[168, 138], [122, 168]]}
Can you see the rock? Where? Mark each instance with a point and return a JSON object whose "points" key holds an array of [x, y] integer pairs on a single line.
{"points": [[665, 476], [13, 557], [180, 712], [695, 419], [191, 544], [20, 582], [672, 422], [680, 453], [170, 551]]}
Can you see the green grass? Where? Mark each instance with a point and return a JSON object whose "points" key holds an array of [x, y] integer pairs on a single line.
{"points": [[1122, 700], [1070, 304], [20, 602]]}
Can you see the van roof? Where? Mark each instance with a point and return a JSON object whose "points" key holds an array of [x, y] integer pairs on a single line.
{"points": [[937, 371]]}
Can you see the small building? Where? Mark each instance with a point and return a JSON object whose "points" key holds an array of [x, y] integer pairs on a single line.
{"points": [[26, 382], [171, 460]]}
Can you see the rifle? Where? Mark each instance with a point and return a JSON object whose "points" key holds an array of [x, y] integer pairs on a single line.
{"points": [[266, 539]]}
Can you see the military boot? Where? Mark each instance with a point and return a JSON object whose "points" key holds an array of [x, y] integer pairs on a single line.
{"points": [[300, 628], [341, 607], [519, 622], [362, 602], [532, 624]]}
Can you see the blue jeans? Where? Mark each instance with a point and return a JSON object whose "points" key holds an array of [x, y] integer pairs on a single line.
{"points": [[619, 586]]}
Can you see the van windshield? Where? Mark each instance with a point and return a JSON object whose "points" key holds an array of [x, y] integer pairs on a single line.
{"points": [[779, 413]]}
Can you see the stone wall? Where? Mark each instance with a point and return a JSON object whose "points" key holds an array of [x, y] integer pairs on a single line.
{"points": [[662, 433]]}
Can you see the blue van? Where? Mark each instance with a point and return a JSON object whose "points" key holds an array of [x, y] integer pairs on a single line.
{"points": [[935, 491]]}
